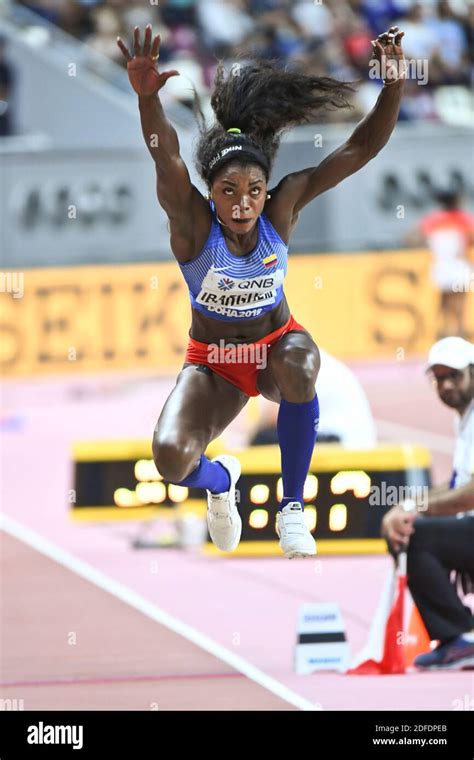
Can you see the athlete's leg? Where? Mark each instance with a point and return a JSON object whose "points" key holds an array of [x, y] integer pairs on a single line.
{"points": [[289, 379], [292, 368], [198, 409]]}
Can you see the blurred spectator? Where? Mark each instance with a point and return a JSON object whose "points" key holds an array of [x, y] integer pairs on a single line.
{"points": [[223, 25], [468, 25], [357, 44], [437, 531], [262, 6], [107, 26], [315, 21], [47, 9], [449, 233], [140, 13], [280, 38], [418, 42], [451, 45], [331, 38], [178, 12], [7, 83], [379, 14]]}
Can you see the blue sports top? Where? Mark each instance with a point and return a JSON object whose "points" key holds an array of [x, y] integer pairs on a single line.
{"points": [[231, 288]]}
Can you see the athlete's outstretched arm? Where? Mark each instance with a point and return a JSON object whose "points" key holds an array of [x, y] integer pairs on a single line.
{"points": [[296, 190], [179, 198]]}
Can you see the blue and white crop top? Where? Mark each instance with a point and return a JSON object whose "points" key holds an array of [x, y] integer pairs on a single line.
{"points": [[228, 287]]}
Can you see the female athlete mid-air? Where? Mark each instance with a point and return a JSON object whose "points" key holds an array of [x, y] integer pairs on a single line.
{"points": [[232, 249]]}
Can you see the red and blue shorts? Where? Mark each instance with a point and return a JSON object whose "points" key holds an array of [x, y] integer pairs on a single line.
{"points": [[239, 364]]}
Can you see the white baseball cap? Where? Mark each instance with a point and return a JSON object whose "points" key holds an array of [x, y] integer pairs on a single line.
{"points": [[456, 353]]}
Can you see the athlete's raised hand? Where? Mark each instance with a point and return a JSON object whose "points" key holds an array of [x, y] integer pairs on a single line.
{"points": [[142, 68], [387, 50]]}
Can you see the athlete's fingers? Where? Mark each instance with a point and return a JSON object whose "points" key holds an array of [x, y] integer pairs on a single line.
{"points": [[124, 49], [156, 46], [398, 37], [136, 40], [377, 47], [386, 38], [147, 42]]}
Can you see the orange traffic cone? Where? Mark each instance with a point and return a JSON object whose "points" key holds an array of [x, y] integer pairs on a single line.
{"points": [[384, 652], [393, 660], [417, 640]]}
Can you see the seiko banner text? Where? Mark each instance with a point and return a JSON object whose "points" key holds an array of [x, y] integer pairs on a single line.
{"points": [[359, 306]]}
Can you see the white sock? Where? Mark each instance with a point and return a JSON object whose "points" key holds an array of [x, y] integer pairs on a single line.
{"points": [[468, 636]]}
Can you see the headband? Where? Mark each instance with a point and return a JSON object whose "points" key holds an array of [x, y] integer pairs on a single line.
{"points": [[239, 149]]}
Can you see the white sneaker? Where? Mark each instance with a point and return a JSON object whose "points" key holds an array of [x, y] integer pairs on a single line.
{"points": [[295, 538], [223, 519]]}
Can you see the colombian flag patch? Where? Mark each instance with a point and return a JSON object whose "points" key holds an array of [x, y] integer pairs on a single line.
{"points": [[269, 261]]}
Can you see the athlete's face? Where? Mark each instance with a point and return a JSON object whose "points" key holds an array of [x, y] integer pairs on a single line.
{"points": [[455, 386], [239, 193]]}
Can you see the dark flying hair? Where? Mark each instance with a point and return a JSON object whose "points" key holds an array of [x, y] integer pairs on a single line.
{"points": [[262, 100]]}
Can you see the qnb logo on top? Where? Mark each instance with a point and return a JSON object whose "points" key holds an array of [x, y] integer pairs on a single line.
{"points": [[232, 296], [226, 283]]}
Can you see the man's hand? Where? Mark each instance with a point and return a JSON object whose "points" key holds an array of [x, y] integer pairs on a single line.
{"points": [[397, 527]]}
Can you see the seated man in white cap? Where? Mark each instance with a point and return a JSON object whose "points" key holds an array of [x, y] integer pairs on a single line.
{"points": [[438, 534]]}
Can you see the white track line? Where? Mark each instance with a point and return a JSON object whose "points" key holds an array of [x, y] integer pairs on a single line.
{"points": [[443, 444], [128, 596]]}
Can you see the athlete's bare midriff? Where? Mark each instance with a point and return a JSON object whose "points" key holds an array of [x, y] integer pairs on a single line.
{"points": [[208, 330]]}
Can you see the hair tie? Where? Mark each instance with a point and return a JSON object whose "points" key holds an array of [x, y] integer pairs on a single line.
{"points": [[236, 130]]}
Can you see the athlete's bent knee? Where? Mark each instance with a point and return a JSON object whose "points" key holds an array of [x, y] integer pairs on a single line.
{"points": [[296, 371], [174, 458]]}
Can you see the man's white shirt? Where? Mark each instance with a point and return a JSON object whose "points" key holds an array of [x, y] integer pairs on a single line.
{"points": [[463, 460]]}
